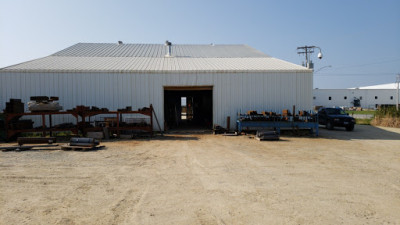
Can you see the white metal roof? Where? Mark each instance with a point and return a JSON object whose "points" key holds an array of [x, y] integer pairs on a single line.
{"points": [[159, 51], [379, 86], [151, 58]]}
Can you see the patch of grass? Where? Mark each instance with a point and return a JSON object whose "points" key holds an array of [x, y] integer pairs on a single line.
{"points": [[363, 121], [55, 134], [31, 134], [63, 133], [367, 112], [388, 112], [387, 117]]}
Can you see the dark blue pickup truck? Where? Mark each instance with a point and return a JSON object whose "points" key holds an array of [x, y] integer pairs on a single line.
{"points": [[335, 117]]}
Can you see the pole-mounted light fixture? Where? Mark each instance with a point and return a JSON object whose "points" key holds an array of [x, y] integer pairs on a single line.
{"points": [[307, 51], [397, 91]]}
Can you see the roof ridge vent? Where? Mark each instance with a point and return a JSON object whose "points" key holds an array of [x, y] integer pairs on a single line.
{"points": [[168, 44]]}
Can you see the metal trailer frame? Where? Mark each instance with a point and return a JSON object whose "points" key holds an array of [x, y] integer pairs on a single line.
{"points": [[277, 125]]}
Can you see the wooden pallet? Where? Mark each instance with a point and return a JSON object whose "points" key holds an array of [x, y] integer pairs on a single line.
{"points": [[80, 148]]}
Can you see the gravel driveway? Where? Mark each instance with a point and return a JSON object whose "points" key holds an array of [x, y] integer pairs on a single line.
{"points": [[339, 178]]}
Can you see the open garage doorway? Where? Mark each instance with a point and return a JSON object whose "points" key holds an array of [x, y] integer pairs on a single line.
{"points": [[188, 107]]}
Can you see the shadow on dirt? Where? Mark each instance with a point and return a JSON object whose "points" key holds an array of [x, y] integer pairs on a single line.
{"points": [[166, 137], [176, 137], [361, 132]]}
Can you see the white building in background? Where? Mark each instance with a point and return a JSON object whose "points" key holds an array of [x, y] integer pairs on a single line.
{"points": [[220, 80], [365, 97]]}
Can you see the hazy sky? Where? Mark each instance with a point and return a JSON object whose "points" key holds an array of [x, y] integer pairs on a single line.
{"points": [[360, 39]]}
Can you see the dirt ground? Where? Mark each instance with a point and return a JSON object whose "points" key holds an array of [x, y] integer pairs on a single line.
{"points": [[339, 178]]}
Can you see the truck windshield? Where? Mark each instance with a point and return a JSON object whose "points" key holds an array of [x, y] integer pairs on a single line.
{"points": [[335, 112]]}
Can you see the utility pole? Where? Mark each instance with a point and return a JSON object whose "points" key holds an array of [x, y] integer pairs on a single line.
{"points": [[307, 51], [397, 92]]}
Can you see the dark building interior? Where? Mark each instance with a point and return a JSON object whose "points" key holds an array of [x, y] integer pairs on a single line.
{"points": [[188, 109]]}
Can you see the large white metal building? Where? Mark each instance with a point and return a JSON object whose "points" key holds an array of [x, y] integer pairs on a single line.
{"points": [[220, 80], [365, 97]]}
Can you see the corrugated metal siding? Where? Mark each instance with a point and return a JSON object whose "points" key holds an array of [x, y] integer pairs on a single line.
{"points": [[232, 93]]}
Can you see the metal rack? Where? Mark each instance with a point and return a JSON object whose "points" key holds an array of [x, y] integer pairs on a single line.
{"points": [[9, 117], [118, 116], [11, 132]]}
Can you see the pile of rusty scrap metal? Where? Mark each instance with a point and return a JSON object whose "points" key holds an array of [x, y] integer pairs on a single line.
{"points": [[264, 116], [44, 98], [81, 109], [286, 115], [217, 129], [96, 109], [302, 116], [306, 117], [44, 104], [14, 106], [144, 109], [126, 109]]}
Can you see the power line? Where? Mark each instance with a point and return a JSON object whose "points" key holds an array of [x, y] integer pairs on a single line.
{"points": [[352, 74], [367, 64]]}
